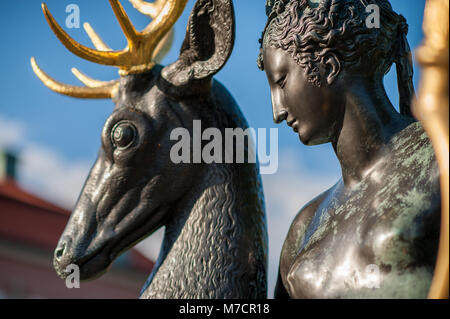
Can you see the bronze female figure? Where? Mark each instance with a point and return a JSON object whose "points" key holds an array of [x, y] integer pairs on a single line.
{"points": [[374, 234]]}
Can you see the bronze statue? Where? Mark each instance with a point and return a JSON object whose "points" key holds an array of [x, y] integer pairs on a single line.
{"points": [[325, 67], [215, 242]]}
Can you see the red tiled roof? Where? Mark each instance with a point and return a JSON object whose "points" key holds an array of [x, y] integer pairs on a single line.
{"points": [[10, 189], [29, 219], [32, 220]]}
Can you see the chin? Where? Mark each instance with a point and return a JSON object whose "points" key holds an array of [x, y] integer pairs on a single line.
{"points": [[95, 268], [89, 270], [309, 139], [302, 139]]}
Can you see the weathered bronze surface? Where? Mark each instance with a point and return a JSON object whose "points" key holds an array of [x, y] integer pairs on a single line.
{"points": [[325, 68], [215, 243]]}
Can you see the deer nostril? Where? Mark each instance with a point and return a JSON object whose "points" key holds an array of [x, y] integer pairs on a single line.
{"points": [[60, 251]]}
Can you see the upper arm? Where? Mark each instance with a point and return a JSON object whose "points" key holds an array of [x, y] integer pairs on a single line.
{"points": [[280, 290], [296, 234]]}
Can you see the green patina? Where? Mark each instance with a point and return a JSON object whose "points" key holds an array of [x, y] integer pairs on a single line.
{"points": [[387, 207]]}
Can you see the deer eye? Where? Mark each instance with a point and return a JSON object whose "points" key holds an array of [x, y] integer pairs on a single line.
{"points": [[123, 135]]}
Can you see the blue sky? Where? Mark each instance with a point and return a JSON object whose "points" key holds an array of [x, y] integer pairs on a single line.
{"points": [[58, 137]]}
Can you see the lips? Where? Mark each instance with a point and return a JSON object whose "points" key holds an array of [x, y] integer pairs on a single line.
{"points": [[293, 124]]}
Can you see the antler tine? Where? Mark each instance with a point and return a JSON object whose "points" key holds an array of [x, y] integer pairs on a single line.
{"points": [[167, 17], [148, 8], [121, 59], [101, 57], [153, 9], [107, 91], [163, 47], [136, 58], [154, 38], [90, 82], [130, 32], [95, 38]]}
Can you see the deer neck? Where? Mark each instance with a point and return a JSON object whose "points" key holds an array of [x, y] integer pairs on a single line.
{"points": [[203, 242]]}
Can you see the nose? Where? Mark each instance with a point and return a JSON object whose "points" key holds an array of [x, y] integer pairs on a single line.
{"points": [[280, 116], [59, 251], [62, 257], [279, 112]]}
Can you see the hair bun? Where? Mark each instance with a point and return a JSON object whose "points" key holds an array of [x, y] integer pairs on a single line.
{"points": [[275, 7], [269, 6], [403, 25]]}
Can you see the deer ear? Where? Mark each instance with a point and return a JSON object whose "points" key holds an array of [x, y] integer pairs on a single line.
{"points": [[208, 44]]}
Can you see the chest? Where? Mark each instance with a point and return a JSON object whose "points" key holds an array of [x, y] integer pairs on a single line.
{"points": [[377, 240]]}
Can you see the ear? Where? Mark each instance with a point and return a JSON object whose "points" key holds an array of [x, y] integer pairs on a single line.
{"points": [[333, 67], [208, 44]]}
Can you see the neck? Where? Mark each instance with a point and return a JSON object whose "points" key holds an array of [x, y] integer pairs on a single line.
{"points": [[369, 123], [205, 252]]}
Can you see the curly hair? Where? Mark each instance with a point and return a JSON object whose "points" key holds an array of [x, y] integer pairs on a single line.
{"points": [[311, 34]]}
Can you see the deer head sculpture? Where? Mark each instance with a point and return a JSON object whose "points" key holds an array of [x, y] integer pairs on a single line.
{"points": [[215, 242]]}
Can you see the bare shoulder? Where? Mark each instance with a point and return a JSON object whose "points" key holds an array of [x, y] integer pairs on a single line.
{"points": [[297, 231]]}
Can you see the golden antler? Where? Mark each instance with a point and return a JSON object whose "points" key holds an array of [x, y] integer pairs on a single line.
{"points": [[139, 56], [148, 8], [95, 38], [152, 10], [105, 91]]}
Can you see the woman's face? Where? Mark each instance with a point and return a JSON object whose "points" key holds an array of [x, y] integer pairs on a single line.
{"points": [[315, 113]]}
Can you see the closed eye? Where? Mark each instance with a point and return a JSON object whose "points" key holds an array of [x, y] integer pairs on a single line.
{"points": [[282, 82]]}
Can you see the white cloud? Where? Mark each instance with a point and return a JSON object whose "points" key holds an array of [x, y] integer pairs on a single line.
{"points": [[11, 132], [47, 174], [150, 246], [41, 170]]}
